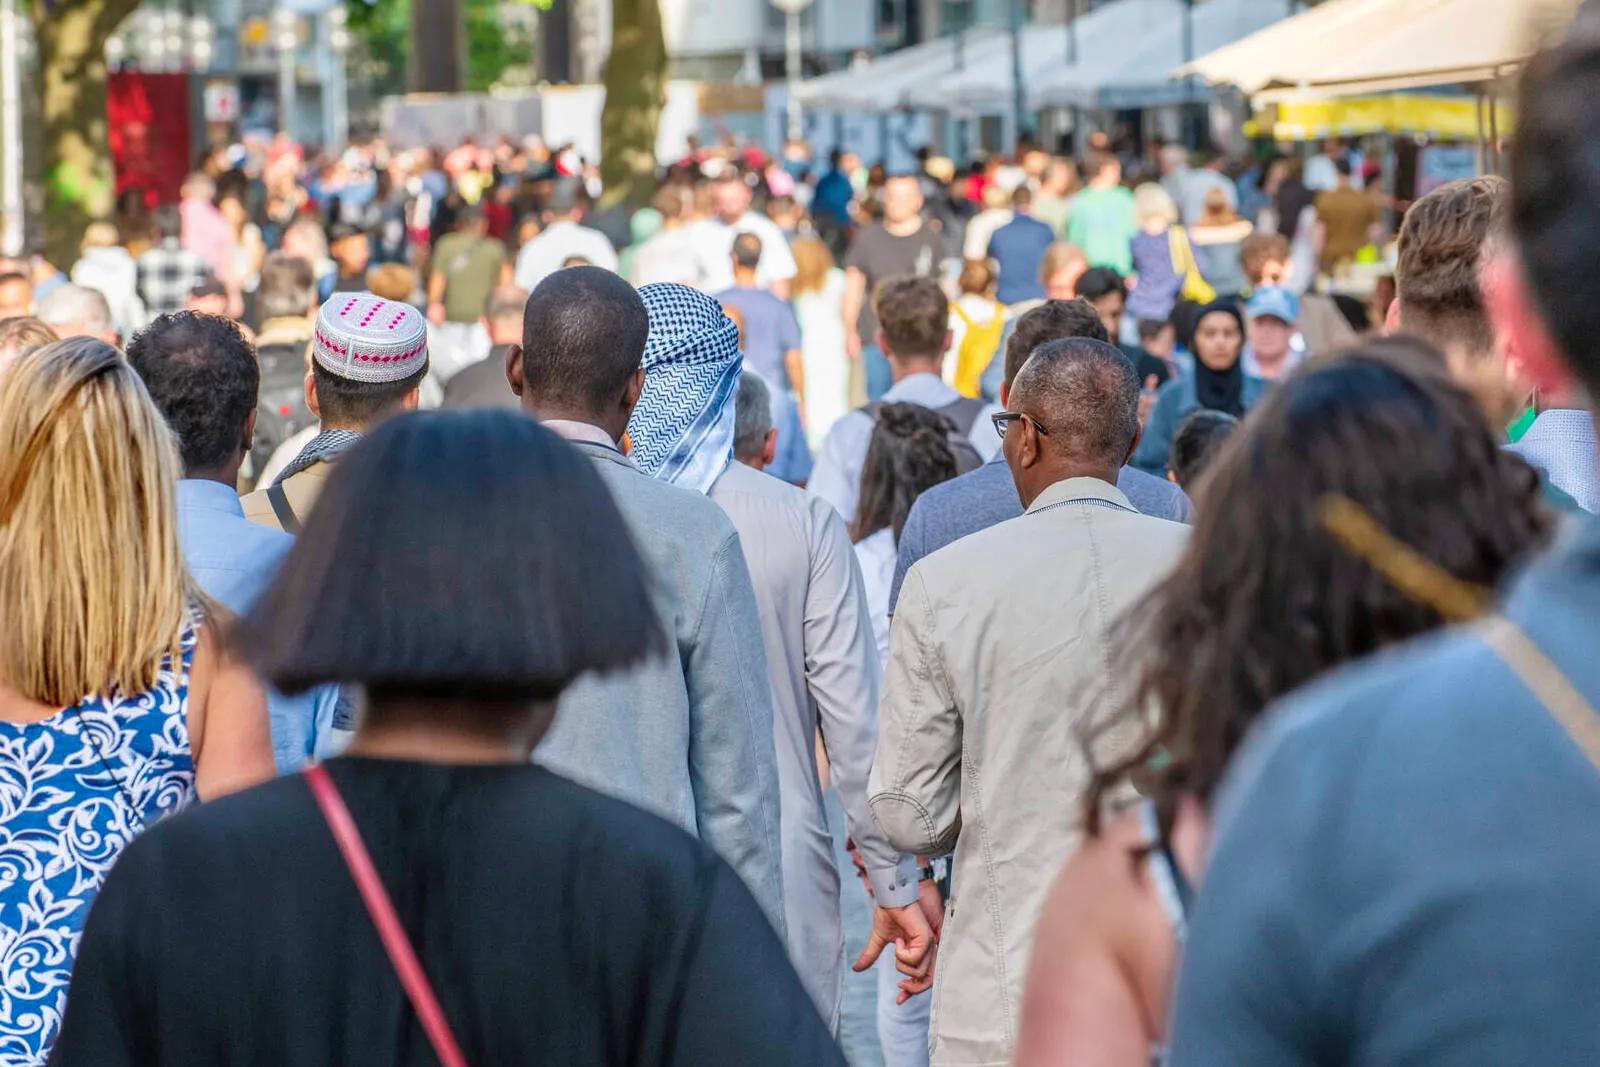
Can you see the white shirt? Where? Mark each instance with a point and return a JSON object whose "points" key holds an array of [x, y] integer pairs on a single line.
{"points": [[837, 475], [877, 555], [557, 243], [669, 256], [713, 242]]}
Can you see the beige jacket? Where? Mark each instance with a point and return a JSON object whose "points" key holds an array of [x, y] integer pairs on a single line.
{"points": [[998, 652], [301, 491]]}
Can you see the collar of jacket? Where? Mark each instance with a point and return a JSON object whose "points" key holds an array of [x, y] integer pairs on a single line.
{"points": [[1080, 489]]}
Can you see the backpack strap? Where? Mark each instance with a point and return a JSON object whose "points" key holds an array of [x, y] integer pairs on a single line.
{"points": [[282, 509], [963, 413]]}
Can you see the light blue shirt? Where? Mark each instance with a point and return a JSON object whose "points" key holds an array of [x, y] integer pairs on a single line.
{"points": [[837, 477], [1561, 444], [233, 559]]}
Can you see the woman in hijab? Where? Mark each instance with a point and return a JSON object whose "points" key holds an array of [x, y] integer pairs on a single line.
{"points": [[1218, 383]]}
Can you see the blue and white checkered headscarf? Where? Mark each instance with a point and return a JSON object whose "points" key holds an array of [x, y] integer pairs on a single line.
{"points": [[682, 430]]}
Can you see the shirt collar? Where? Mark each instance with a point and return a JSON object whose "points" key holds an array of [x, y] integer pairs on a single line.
{"points": [[1069, 489], [1561, 422], [207, 495], [924, 388], [581, 433]]}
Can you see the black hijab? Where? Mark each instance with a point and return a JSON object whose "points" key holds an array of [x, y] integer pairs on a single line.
{"points": [[1220, 390]]}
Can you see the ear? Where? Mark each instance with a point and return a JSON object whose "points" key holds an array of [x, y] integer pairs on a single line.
{"points": [[514, 369], [249, 440], [1005, 395], [410, 401], [1391, 318], [634, 389], [1531, 352], [311, 395], [883, 345], [769, 449], [949, 336], [1133, 446]]}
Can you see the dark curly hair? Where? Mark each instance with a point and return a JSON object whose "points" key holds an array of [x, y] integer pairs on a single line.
{"points": [[909, 454], [1264, 599], [202, 373]]}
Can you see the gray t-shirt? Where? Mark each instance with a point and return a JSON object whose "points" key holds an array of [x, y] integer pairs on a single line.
{"points": [[879, 254], [1407, 861], [770, 330]]}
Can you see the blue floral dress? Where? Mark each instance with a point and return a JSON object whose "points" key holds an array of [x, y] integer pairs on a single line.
{"points": [[74, 790]]}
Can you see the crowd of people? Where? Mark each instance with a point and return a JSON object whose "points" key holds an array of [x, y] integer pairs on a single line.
{"points": [[439, 624]]}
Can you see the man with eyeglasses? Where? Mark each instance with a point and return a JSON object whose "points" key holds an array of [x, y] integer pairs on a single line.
{"points": [[998, 652]]}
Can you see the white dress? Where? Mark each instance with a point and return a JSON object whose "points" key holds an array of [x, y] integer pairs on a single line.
{"points": [[827, 366]]}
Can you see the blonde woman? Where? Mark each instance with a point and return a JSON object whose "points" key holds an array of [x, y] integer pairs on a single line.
{"points": [[118, 704], [1158, 277], [817, 293]]}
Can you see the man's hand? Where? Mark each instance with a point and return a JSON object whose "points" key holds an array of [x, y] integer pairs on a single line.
{"points": [[852, 344], [932, 906], [436, 313], [908, 930]]}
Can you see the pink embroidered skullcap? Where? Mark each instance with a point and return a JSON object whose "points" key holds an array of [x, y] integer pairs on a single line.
{"points": [[364, 338]]}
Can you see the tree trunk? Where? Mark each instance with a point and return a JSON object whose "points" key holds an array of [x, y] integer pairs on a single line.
{"points": [[636, 77], [79, 183], [437, 49]]}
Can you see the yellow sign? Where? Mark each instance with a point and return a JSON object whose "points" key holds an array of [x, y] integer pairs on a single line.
{"points": [[1441, 117]]}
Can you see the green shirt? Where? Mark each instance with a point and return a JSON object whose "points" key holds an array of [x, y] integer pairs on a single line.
{"points": [[1102, 225], [471, 266]]}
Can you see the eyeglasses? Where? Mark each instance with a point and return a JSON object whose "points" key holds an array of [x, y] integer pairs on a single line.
{"points": [[1003, 419]]}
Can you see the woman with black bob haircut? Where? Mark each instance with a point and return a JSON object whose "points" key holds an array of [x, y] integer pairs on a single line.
{"points": [[462, 569], [1264, 600]]}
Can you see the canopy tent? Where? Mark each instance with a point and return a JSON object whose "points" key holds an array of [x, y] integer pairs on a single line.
{"points": [[888, 81], [1440, 117], [987, 80], [1124, 75], [1361, 46], [1109, 72]]}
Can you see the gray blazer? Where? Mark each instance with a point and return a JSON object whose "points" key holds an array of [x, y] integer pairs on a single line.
{"points": [[689, 736]]}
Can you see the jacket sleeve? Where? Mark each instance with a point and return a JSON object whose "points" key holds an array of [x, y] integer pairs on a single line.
{"points": [[916, 777], [843, 677], [1151, 455], [913, 546], [733, 764]]}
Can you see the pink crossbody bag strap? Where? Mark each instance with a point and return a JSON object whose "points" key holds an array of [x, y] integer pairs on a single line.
{"points": [[401, 955]]}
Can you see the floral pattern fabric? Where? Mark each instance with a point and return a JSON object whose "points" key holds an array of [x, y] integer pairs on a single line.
{"points": [[74, 790]]}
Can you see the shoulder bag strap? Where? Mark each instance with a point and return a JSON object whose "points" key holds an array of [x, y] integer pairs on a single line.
{"points": [[401, 955], [281, 508], [1547, 682]]}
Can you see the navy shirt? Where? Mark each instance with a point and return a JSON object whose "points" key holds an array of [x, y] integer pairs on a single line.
{"points": [[1019, 247], [1408, 861]]}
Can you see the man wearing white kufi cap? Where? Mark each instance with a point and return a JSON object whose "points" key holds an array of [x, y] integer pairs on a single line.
{"points": [[368, 359]]}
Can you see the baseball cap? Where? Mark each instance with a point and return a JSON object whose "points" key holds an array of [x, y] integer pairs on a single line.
{"points": [[1273, 302]]}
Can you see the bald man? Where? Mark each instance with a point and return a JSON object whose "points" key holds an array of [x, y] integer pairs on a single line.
{"points": [[999, 646]]}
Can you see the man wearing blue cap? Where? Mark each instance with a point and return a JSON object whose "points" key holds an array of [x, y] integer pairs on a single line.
{"points": [[1272, 315]]}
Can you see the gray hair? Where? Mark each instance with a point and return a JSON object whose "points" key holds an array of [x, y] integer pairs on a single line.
{"points": [[1085, 393], [506, 302], [752, 419], [76, 306]]}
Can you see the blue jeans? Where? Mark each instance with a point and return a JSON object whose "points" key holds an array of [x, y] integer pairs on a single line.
{"points": [[879, 377]]}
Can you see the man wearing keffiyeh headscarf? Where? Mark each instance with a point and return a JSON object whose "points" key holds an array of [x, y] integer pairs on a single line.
{"points": [[682, 429], [702, 757], [804, 569]]}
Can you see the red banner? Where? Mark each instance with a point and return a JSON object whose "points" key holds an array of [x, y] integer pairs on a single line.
{"points": [[149, 133]]}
